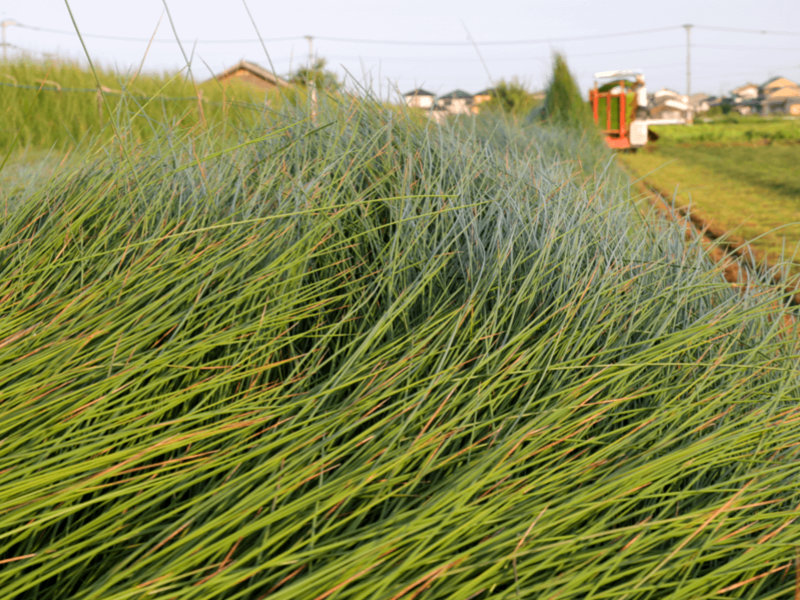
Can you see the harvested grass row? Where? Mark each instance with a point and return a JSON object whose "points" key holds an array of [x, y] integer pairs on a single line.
{"points": [[368, 358]]}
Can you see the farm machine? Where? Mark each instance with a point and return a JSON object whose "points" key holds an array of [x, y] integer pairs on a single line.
{"points": [[619, 101]]}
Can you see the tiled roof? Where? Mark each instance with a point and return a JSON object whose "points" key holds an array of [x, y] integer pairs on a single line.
{"points": [[456, 95], [419, 92]]}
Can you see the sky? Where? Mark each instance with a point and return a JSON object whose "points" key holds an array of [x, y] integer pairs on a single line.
{"points": [[440, 45]]}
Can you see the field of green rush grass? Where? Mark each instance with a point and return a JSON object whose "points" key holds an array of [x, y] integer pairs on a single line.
{"points": [[56, 105], [732, 129], [369, 357], [751, 191]]}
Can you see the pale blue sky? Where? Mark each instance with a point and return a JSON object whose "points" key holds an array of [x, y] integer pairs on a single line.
{"points": [[721, 59]]}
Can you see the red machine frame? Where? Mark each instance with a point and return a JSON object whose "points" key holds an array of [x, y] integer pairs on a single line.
{"points": [[617, 138]]}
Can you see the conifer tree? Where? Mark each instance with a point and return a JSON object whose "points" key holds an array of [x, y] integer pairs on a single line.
{"points": [[563, 103]]}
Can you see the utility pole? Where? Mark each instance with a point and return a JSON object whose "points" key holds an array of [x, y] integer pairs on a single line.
{"points": [[312, 85], [688, 28], [310, 39], [3, 24]]}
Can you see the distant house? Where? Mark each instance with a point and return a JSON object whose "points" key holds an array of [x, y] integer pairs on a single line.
{"points": [[252, 74], [480, 98], [668, 93], [673, 111], [778, 85], [744, 99], [668, 106], [457, 102], [700, 103], [746, 107], [419, 98], [775, 96], [780, 96], [748, 91], [792, 107]]}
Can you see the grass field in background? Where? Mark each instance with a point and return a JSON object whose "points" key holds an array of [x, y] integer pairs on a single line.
{"points": [[55, 105], [732, 129], [749, 189]]}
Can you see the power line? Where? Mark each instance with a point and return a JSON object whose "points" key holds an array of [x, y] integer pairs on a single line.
{"points": [[394, 56], [498, 42], [743, 48], [401, 42], [124, 38], [360, 40], [745, 30], [490, 58]]}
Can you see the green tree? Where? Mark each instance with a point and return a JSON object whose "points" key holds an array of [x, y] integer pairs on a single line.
{"points": [[512, 97], [322, 78], [563, 103]]}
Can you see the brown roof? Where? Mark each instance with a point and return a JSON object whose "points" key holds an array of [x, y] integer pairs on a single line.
{"points": [[780, 87], [778, 82], [254, 69]]}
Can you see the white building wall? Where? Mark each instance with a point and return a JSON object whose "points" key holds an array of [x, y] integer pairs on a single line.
{"points": [[419, 101]]}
